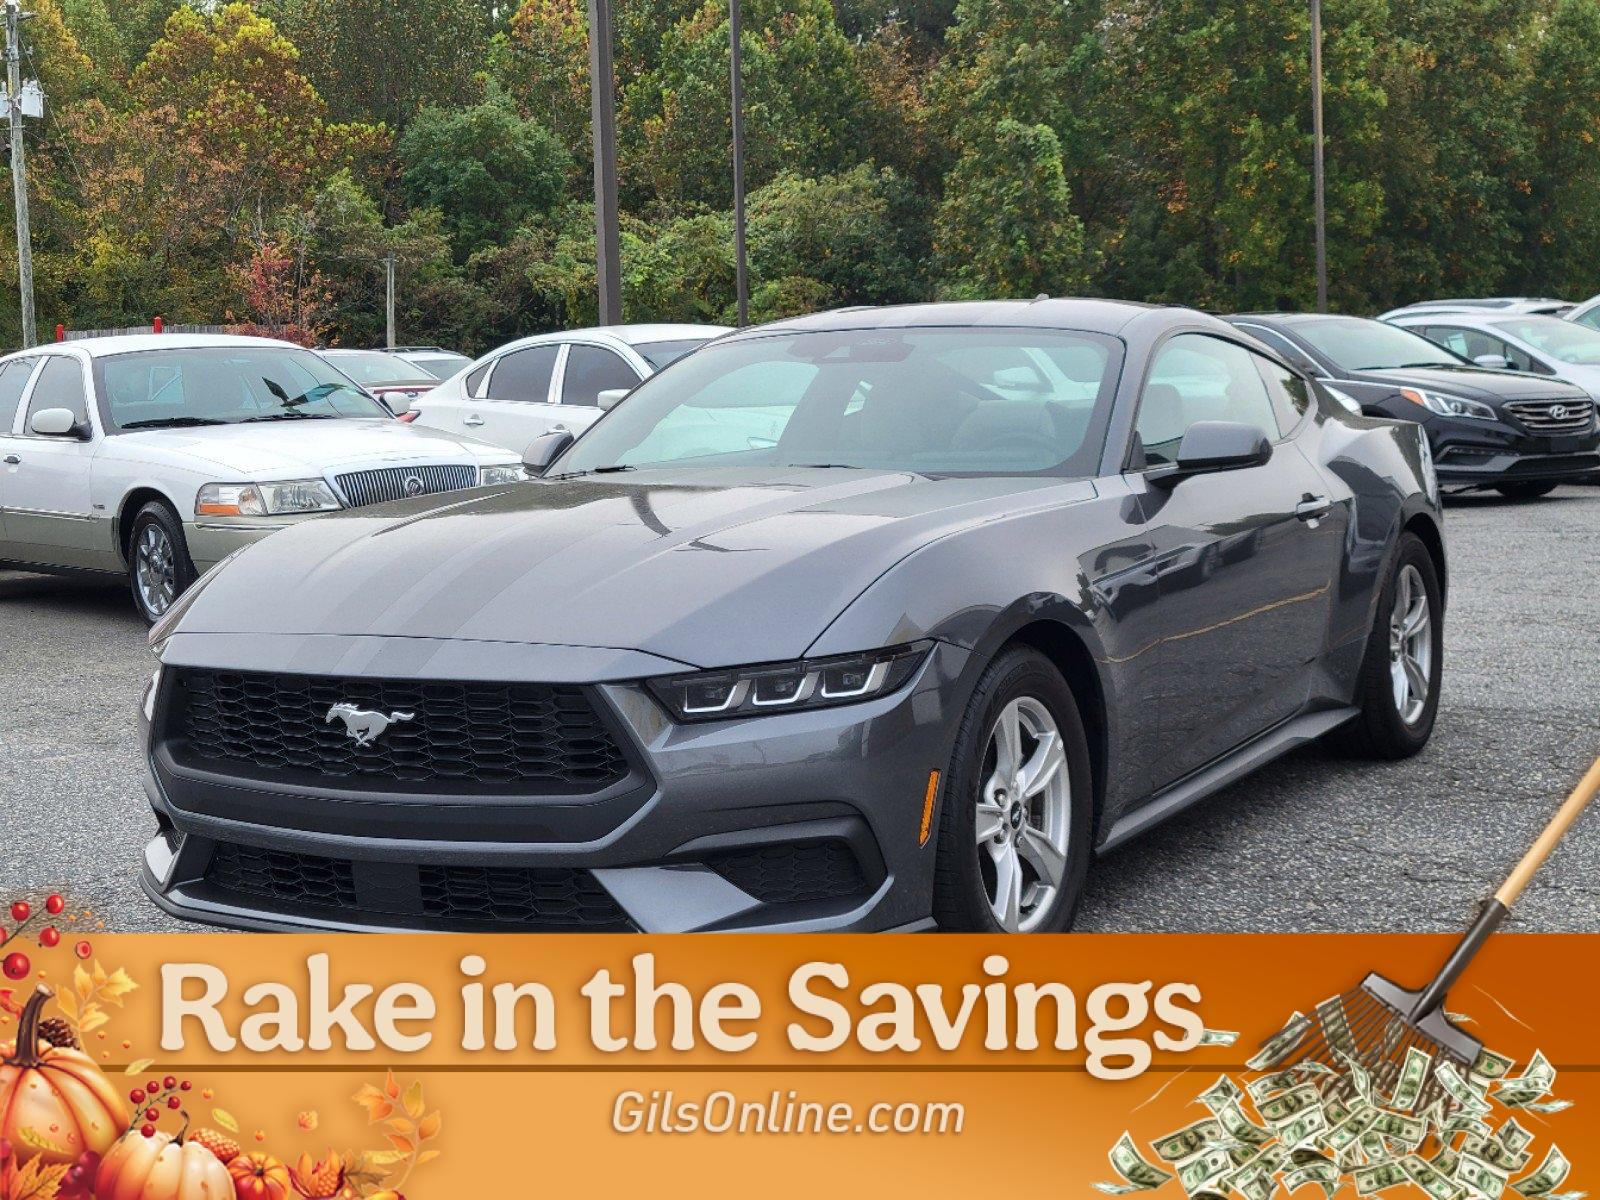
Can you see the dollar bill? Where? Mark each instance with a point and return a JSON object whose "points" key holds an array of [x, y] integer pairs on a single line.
{"points": [[1350, 1131], [1459, 1090], [1552, 1173], [1336, 1026], [1219, 1037], [1220, 1094], [1302, 1129], [1188, 1141], [1546, 1107], [1281, 1044], [1413, 1074], [1479, 1176], [1323, 1173], [1358, 1078], [1137, 1174], [1407, 1130], [1285, 1107], [1240, 1127], [1204, 1170], [1429, 1178], [1490, 1150], [1489, 1065], [1377, 1177], [1513, 1136], [1534, 1082]]}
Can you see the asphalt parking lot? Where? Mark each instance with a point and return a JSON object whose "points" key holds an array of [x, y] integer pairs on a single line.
{"points": [[1312, 843]]}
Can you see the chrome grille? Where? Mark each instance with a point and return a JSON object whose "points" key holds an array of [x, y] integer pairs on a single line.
{"points": [[1554, 416], [361, 488]]}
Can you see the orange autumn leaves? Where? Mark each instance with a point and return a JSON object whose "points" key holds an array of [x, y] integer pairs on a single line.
{"points": [[407, 1123]]}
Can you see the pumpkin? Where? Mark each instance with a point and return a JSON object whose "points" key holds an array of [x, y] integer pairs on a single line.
{"points": [[161, 1167], [259, 1177], [54, 1096]]}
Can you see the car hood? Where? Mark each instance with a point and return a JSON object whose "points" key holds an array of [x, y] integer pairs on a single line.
{"points": [[303, 449], [708, 568], [1475, 383]]}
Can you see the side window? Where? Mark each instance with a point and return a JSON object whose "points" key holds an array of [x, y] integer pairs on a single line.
{"points": [[1291, 396], [1200, 378], [475, 380], [13, 382], [60, 386], [590, 371], [1590, 318], [1278, 342], [524, 375]]}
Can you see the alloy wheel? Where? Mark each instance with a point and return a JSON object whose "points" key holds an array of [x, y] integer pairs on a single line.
{"points": [[1410, 645], [1023, 823], [155, 570]]}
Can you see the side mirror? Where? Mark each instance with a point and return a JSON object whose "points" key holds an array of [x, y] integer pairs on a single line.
{"points": [[1494, 362], [1212, 446], [544, 450], [55, 422], [610, 398], [398, 404]]}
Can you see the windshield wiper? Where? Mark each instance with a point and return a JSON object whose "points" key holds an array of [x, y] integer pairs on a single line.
{"points": [[172, 423], [292, 415]]}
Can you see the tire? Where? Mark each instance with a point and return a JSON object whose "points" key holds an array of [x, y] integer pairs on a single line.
{"points": [[1387, 729], [1525, 491], [1054, 825], [159, 567]]}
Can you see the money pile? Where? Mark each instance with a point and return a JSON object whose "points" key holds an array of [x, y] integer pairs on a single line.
{"points": [[1450, 1131]]}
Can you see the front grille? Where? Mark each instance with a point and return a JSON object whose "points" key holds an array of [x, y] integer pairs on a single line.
{"points": [[544, 898], [792, 873], [516, 738], [548, 897], [361, 488], [277, 875], [1554, 416]]}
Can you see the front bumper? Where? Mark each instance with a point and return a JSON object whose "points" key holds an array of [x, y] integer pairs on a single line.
{"points": [[213, 539], [1486, 453], [798, 822]]}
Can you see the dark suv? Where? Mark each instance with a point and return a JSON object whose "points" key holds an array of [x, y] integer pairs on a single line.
{"points": [[1519, 434]]}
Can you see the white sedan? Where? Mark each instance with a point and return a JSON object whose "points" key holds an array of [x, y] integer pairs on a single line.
{"points": [[555, 382], [158, 456]]}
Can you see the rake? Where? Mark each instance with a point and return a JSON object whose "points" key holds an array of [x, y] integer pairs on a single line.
{"points": [[1376, 1024]]}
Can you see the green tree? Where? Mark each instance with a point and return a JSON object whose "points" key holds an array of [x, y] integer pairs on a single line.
{"points": [[1006, 226], [380, 61], [484, 167]]}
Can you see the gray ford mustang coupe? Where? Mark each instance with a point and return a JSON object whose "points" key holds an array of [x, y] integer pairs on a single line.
{"points": [[873, 620]]}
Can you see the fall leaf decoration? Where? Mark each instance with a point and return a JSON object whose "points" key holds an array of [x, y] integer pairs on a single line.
{"points": [[33, 1180], [319, 1180], [408, 1127], [92, 990]]}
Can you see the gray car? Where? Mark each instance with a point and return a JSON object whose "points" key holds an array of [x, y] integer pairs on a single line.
{"points": [[880, 619]]}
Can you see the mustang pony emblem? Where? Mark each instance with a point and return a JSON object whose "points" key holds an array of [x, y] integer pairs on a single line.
{"points": [[364, 725]]}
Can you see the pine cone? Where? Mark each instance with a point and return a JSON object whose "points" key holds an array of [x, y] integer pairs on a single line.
{"points": [[224, 1147], [58, 1033]]}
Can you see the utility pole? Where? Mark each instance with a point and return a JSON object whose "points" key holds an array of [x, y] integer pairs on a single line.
{"points": [[603, 113], [388, 303], [1319, 177], [19, 167], [736, 70]]}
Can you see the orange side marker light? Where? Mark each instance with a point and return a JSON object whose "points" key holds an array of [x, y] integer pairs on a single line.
{"points": [[927, 808]]}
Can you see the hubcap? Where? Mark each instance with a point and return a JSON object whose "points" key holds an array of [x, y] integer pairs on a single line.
{"points": [[1410, 646], [1023, 815], [153, 570]]}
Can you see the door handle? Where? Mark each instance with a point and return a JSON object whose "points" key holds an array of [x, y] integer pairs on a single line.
{"points": [[558, 429], [1312, 508], [12, 460], [473, 420]]}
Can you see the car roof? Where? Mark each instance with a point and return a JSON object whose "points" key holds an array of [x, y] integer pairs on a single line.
{"points": [[1472, 320], [100, 347], [628, 335], [1487, 304], [1091, 316], [1292, 318]]}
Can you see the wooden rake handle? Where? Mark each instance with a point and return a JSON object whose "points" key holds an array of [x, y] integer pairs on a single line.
{"points": [[1496, 910], [1535, 858]]}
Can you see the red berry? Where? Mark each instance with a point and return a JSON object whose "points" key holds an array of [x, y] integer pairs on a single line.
{"points": [[83, 949], [49, 936], [148, 1130], [16, 965], [185, 1086], [170, 1082], [54, 904], [137, 1095], [21, 911], [88, 1160], [173, 1102], [153, 1086], [152, 1114]]}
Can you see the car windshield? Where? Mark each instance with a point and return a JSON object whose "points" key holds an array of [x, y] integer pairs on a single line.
{"points": [[224, 385], [934, 401], [376, 367], [1355, 344], [441, 366], [1564, 341], [659, 354]]}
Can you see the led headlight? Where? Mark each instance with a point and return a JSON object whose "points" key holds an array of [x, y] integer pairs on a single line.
{"points": [[264, 499], [1449, 406], [513, 473], [786, 687]]}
